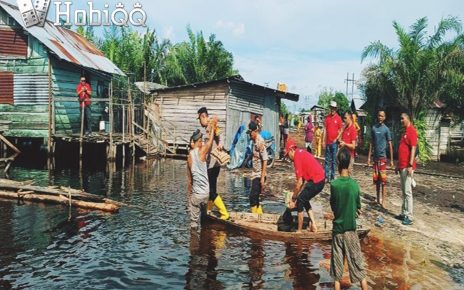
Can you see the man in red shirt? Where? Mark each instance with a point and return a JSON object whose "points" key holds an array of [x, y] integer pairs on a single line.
{"points": [[332, 130], [406, 166], [84, 92], [309, 182], [349, 138]]}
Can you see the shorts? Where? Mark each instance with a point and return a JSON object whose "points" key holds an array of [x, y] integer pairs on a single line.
{"points": [[380, 171], [309, 191], [346, 245], [255, 192]]}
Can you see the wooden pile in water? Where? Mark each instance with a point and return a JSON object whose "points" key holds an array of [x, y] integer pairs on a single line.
{"points": [[25, 191]]}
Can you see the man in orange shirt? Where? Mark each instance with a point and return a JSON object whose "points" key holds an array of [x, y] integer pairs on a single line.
{"points": [[84, 92]]}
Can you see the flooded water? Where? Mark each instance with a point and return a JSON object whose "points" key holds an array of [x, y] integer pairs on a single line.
{"points": [[151, 246]]}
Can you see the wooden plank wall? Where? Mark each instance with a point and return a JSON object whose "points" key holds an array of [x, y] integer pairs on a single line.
{"points": [[434, 134], [244, 100], [180, 107], [29, 111]]}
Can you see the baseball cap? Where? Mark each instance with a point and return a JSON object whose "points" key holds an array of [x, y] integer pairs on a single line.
{"points": [[290, 144], [196, 135], [333, 104], [201, 111], [252, 127]]}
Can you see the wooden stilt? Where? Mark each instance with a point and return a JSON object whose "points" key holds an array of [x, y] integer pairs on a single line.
{"points": [[82, 131]]}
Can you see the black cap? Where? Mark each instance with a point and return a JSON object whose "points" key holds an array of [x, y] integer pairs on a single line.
{"points": [[201, 111], [196, 135], [252, 127]]}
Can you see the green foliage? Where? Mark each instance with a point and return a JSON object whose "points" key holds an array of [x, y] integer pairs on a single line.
{"points": [[423, 69], [329, 95], [283, 109], [198, 60], [425, 150], [146, 55]]}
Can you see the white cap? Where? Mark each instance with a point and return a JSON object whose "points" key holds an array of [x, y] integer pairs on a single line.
{"points": [[333, 104]]}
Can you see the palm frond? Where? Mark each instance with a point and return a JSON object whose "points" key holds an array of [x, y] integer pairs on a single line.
{"points": [[444, 26]]}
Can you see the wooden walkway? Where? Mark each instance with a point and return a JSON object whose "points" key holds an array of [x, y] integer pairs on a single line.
{"points": [[95, 138]]}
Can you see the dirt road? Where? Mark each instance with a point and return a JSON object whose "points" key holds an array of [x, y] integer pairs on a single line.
{"points": [[437, 233]]}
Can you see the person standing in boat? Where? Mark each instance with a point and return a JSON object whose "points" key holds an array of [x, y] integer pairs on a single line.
{"points": [[198, 184], [258, 175], [346, 204], [309, 182], [213, 165]]}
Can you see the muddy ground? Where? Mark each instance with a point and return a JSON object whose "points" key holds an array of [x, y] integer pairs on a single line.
{"points": [[437, 232]]}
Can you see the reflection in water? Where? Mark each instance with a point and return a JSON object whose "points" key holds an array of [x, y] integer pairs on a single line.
{"points": [[256, 263], [204, 246], [153, 248], [298, 256]]}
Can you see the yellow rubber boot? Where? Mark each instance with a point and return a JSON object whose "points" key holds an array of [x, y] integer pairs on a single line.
{"points": [[254, 209], [221, 207], [259, 210]]}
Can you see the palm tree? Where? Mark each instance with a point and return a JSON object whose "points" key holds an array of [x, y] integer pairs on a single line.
{"points": [[419, 71], [198, 60]]}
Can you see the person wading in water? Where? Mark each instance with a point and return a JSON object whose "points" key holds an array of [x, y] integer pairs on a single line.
{"points": [[198, 184]]}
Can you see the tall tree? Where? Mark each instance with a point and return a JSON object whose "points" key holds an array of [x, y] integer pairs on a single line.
{"points": [[198, 60], [422, 69], [326, 96]]}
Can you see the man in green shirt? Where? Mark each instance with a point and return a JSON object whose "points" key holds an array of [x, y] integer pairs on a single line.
{"points": [[345, 203]]}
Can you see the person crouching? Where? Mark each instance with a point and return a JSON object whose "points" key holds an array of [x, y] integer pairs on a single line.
{"points": [[309, 182]]}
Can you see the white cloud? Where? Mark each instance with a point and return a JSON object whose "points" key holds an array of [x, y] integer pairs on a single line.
{"points": [[237, 29], [168, 33], [306, 77]]}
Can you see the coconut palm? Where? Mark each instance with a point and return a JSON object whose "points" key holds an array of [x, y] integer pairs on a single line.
{"points": [[419, 71]]}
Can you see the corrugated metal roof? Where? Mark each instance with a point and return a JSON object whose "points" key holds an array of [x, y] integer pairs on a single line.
{"points": [[66, 44], [238, 79], [13, 42], [6, 87], [30, 89], [358, 102]]}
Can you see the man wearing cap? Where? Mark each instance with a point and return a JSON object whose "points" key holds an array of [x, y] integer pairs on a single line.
{"points": [[84, 92], [198, 184], [332, 131], [309, 182], [258, 175], [213, 165]]}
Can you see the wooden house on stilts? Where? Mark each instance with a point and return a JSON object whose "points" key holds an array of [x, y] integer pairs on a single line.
{"points": [[235, 101], [39, 70]]}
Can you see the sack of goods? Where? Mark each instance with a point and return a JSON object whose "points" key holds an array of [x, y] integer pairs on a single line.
{"points": [[288, 197], [221, 156]]}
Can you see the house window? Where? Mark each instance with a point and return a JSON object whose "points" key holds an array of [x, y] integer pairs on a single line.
{"points": [[11, 22], [6, 88], [102, 89]]}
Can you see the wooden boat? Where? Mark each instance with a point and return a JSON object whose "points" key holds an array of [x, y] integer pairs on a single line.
{"points": [[265, 226]]}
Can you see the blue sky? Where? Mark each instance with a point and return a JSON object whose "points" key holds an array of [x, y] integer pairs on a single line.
{"points": [[309, 45]]}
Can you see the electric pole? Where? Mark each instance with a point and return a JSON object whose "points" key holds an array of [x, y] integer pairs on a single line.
{"points": [[348, 80]]}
